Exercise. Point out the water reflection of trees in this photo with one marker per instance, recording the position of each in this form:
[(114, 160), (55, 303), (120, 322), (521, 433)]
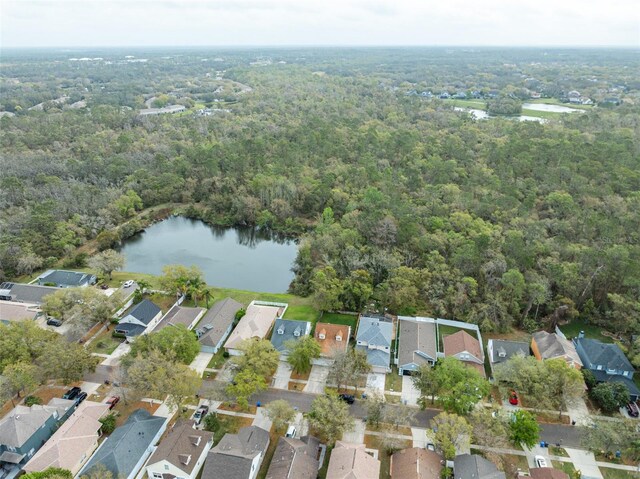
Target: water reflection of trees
[(251, 236)]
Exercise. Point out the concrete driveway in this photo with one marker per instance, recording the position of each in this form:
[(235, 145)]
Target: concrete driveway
[(282, 376), (356, 435), (419, 435), (536, 451), (585, 462), (375, 383), (262, 420), (200, 363), (317, 379), (114, 357), (579, 412), (410, 394)]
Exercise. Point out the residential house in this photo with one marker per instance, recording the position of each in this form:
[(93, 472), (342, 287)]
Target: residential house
[(217, 324), (140, 319), (66, 279), (466, 348), (547, 473), (351, 461), (416, 463), (24, 293), (416, 344), (25, 429), (125, 451), (472, 466), (287, 330), (237, 456), (188, 317), (500, 351), (374, 337), (333, 339), (295, 459), (74, 441), (256, 323), (12, 312), (607, 362), (181, 453), (553, 346)]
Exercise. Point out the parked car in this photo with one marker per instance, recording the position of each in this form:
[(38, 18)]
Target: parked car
[(632, 409), (513, 398), (348, 398), (81, 397), (540, 461), (128, 283), (112, 401), (291, 431), (72, 393), (199, 415), (431, 447), (54, 322)]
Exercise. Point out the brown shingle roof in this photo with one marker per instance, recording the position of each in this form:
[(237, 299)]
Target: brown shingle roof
[(182, 441), (416, 463), (547, 473), (179, 315), (350, 461), (330, 345), (461, 341), (553, 346), (295, 459)]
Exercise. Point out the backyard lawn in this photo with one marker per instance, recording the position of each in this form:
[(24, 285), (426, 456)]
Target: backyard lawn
[(373, 442), (104, 343), (572, 330)]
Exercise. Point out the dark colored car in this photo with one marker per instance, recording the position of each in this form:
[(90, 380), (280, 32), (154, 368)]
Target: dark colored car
[(72, 393), (112, 401), (348, 398), (632, 409), (81, 397), (200, 414), (54, 322)]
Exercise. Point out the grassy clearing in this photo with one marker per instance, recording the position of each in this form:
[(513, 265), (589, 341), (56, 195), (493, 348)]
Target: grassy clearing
[(444, 330), (268, 456), (572, 330), (557, 451), (566, 467), (609, 473), (393, 381), (337, 318), (104, 343), (217, 360), (475, 104), (229, 424)]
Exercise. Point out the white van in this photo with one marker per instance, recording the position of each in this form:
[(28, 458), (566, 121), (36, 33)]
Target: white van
[(291, 432)]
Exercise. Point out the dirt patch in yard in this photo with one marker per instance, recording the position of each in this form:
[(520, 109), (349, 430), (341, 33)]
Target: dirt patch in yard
[(300, 376), (294, 386), (123, 411), (235, 408)]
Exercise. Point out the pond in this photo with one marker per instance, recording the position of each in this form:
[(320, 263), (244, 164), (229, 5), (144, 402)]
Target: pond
[(548, 107), (477, 114), (239, 258)]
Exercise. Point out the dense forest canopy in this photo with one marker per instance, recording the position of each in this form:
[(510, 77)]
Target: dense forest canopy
[(396, 197)]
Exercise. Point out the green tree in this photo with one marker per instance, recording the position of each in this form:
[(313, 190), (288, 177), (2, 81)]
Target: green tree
[(358, 288), (302, 352), (610, 396), (99, 471), (180, 279), (524, 428), (245, 384), (612, 436), (375, 405), (66, 362), (327, 289), (330, 417), (461, 387), (108, 423), (22, 377), (258, 356), (281, 413), (160, 377), (427, 381), (564, 384), (452, 434), (397, 415), (107, 261), (176, 341), (50, 473), (490, 427), (128, 204)]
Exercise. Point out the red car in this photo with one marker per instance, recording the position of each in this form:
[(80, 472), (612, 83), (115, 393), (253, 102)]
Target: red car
[(112, 401), (513, 398)]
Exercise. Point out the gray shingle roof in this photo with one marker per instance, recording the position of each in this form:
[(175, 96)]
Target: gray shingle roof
[(22, 422), (129, 329), (233, 455), (295, 459), (503, 350), (286, 329), (144, 311), (602, 376), (375, 330), (553, 346), (127, 444), (219, 317), (182, 440), (66, 278), (472, 466), (417, 341), (609, 355), (25, 293)]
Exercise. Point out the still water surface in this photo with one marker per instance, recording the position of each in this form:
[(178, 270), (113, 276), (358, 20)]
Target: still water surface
[(241, 258)]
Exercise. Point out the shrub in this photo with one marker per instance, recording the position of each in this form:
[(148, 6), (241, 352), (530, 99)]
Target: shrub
[(108, 423), (211, 423), (31, 400)]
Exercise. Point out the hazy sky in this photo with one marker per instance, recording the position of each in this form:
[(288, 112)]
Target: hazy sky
[(319, 22)]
